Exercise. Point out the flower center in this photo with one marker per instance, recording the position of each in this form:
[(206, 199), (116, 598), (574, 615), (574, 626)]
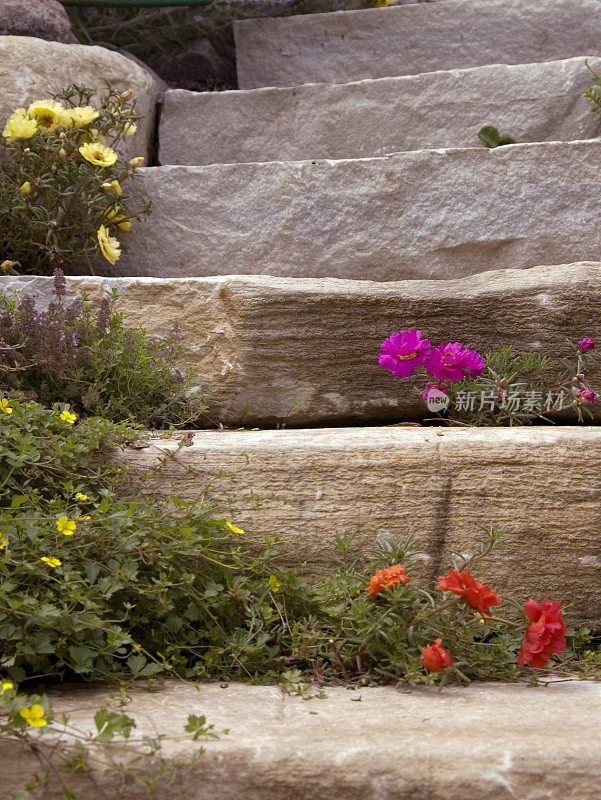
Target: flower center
[(47, 121), (448, 358), (406, 358)]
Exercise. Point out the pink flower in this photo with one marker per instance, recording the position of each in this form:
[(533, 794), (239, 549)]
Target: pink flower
[(545, 635), (433, 387), (403, 352), (586, 344), (452, 362), (585, 396)]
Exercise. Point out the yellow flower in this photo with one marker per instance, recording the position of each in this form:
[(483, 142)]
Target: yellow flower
[(234, 529), (5, 686), (98, 154), (109, 246), (130, 129), (34, 716), (83, 115), (5, 406), (6, 266), (49, 115), (125, 226), (118, 219), (19, 126), (3, 542), (66, 526), (67, 416), (26, 188), (52, 562), (126, 95), (137, 162), (113, 186), (81, 497), (274, 584), (85, 519)]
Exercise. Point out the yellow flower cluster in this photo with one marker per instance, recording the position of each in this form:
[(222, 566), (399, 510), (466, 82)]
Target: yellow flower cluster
[(5, 406), (45, 116)]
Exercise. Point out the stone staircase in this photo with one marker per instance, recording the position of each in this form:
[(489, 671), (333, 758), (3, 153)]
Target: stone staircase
[(343, 194)]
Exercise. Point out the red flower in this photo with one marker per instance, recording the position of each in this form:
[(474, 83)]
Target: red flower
[(435, 657), (387, 577), (475, 593), (545, 635)]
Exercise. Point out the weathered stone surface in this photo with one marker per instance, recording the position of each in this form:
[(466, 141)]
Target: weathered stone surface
[(264, 342), (308, 486), (531, 102), (496, 741), (45, 19), (428, 214), (406, 40), (32, 69)]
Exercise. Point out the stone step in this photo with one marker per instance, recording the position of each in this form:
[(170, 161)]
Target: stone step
[(264, 343), (428, 214), (409, 39), (489, 740), (33, 69), (308, 486), (531, 102)]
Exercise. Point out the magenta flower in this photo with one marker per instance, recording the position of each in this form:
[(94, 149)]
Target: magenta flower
[(452, 362), (585, 396), (586, 344), (433, 387), (403, 352)]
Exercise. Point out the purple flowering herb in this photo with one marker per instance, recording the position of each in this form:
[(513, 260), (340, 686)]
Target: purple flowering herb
[(60, 284), (585, 396), (403, 352)]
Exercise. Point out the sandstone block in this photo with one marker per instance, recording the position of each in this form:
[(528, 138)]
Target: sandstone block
[(305, 351), (427, 214), (531, 102), (409, 39), (424, 744), (32, 69), (307, 486)]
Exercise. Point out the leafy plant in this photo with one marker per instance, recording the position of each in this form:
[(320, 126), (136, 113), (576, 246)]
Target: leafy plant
[(112, 755), (69, 353), (503, 388), (61, 180), (490, 137)]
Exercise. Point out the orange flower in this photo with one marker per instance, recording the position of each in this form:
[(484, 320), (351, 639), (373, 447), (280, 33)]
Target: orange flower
[(384, 578), (475, 593), (435, 657)]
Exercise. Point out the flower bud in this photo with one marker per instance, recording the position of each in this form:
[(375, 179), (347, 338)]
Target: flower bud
[(113, 186), (125, 226), (63, 135), (26, 188), (27, 150), (6, 266), (130, 129), (126, 95), (62, 152), (137, 162)]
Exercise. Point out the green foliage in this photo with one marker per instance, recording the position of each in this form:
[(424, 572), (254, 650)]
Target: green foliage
[(144, 587), (70, 353), (53, 201), (490, 137)]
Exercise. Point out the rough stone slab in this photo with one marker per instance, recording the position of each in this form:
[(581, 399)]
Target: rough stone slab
[(308, 486), (496, 741), (262, 342), (45, 19), (407, 40), (33, 69), (531, 102), (428, 214)]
